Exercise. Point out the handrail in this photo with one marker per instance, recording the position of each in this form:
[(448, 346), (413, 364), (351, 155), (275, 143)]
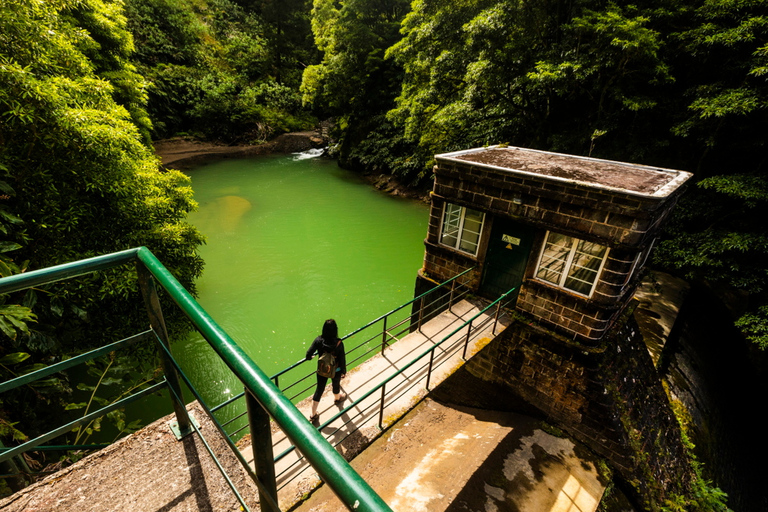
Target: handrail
[(407, 366), (73, 361), (380, 318), (48, 275), (12, 452), (384, 317), (353, 491)]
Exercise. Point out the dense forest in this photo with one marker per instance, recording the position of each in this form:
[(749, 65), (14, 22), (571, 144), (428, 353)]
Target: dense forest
[(87, 85)]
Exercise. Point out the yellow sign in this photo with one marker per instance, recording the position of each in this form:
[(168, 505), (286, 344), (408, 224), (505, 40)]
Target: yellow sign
[(510, 239)]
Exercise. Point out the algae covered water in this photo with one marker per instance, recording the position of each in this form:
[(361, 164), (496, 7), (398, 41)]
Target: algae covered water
[(292, 241)]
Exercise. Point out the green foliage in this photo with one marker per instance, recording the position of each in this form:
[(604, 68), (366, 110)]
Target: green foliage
[(354, 82), (14, 318), (719, 236), (221, 69), (77, 180), (165, 31), (123, 378), (703, 495), (547, 75)]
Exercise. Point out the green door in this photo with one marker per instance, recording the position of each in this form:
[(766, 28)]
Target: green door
[(507, 256)]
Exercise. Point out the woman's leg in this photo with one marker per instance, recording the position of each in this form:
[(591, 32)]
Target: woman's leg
[(321, 381), (336, 387)]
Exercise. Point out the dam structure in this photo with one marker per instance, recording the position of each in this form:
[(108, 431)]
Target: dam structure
[(531, 262)]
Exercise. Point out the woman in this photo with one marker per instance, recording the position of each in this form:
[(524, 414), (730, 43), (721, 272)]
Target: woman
[(328, 341)]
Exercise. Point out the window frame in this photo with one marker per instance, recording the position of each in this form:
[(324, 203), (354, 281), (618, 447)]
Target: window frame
[(460, 229), (574, 243)]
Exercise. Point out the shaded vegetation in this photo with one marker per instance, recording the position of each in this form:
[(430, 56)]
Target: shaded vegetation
[(78, 180), (658, 82), (222, 69)]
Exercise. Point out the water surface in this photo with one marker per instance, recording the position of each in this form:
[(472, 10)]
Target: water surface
[(293, 241)]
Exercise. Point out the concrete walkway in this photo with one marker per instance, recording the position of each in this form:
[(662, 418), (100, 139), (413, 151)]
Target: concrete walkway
[(148, 471), (358, 426), (442, 458)]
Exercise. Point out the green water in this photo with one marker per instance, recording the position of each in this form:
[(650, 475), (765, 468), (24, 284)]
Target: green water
[(291, 243)]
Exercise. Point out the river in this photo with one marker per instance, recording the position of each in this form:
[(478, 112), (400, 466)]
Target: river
[(291, 241)]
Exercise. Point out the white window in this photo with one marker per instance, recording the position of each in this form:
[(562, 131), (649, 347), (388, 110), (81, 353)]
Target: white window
[(461, 228), (571, 263)]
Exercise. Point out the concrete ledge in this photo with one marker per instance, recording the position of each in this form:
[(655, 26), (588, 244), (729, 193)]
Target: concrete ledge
[(148, 471)]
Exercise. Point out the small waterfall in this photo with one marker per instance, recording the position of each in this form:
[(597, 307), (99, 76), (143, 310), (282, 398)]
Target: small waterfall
[(310, 153)]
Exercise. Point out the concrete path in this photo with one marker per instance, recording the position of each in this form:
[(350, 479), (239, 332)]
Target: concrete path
[(148, 471), (660, 297), (447, 458), (358, 426)]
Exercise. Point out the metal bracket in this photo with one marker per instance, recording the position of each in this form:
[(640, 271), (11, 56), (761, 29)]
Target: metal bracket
[(178, 433)]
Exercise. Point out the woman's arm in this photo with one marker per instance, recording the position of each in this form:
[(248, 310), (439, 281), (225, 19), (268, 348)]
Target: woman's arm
[(313, 348)]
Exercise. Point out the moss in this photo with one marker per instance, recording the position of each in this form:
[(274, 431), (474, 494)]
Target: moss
[(552, 430), (703, 495)]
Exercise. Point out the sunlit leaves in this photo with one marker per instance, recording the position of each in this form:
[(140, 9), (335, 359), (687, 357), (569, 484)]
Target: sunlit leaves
[(734, 102), (749, 188), (14, 319), (83, 182), (14, 358), (755, 326)]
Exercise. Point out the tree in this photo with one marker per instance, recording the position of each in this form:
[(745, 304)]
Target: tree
[(288, 32), (551, 75), (221, 69), (79, 180), (354, 82), (719, 234)]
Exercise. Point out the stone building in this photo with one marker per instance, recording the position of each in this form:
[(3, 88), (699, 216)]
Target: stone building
[(570, 233)]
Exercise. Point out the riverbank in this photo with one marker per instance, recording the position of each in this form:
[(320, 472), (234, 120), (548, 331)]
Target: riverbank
[(187, 153)]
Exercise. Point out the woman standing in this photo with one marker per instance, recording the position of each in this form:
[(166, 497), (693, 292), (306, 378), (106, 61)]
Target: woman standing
[(328, 341)]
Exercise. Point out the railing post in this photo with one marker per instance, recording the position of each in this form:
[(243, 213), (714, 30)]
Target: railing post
[(496, 318), (429, 371), (421, 313), (156, 321), (466, 342), (381, 405), (384, 336), (15, 479), (263, 456), (450, 299)]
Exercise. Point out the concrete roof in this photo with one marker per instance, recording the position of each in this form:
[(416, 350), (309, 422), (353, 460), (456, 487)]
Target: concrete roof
[(633, 179)]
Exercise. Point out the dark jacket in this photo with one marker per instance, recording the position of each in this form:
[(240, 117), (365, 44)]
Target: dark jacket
[(321, 348)]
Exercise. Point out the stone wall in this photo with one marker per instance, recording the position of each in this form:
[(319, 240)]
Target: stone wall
[(623, 222), (608, 217), (611, 399)]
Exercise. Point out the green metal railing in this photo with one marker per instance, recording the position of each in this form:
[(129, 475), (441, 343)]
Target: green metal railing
[(375, 337), (363, 407), (263, 398)]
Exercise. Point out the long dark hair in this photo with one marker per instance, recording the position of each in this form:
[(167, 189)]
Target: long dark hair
[(330, 332)]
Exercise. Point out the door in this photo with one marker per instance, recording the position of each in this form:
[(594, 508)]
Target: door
[(507, 256)]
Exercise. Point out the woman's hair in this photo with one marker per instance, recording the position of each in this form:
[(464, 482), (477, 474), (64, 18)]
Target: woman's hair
[(330, 331)]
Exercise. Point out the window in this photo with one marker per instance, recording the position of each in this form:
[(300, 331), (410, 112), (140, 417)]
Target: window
[(571, 263), (461, 228)]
